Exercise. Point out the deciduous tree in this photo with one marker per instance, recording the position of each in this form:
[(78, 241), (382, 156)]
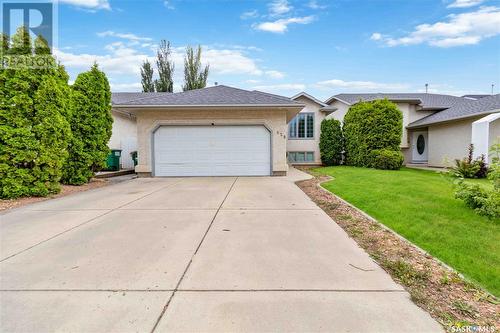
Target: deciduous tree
[(195, 77)]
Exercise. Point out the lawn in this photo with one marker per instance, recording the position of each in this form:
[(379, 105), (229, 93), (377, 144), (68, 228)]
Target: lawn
[(420, 206)]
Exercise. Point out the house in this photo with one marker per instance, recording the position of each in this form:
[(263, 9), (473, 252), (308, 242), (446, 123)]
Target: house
[(214, 131), (304, 130), (222, 131), (436, 128), (124, 130), (450, 131)]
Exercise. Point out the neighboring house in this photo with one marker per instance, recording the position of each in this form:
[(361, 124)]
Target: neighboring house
[(124, 131), (215, 131), (304, 130), (450, 132), (436, 128)]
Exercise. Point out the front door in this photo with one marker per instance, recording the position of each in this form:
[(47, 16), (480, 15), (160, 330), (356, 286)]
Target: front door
[(419, 147)]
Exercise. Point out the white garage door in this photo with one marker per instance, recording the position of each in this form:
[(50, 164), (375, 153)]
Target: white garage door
[(212, 151)]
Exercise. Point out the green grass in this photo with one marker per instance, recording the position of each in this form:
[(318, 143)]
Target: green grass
[(420, 206)]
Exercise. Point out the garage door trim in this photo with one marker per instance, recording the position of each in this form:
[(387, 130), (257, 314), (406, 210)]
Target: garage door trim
[(158, 125)]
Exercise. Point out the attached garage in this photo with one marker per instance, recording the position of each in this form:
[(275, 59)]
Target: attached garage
[(214, 131), (229, 150)]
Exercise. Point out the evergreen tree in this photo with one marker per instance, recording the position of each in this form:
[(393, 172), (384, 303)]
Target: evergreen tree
[(41, 46), (165, 82), (91, 125), (194, 76), (147, 77), (21, 42), (34, 131), (4, 44)]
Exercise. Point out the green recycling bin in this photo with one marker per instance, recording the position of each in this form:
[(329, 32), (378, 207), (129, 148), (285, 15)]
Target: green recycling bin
[(134, 157), (113, 160)]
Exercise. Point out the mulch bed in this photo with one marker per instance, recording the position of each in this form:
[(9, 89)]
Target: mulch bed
[(448, 297), (65, 190)]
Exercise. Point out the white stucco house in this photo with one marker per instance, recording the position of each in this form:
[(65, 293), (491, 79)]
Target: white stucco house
[(225, 131), (436, 128)]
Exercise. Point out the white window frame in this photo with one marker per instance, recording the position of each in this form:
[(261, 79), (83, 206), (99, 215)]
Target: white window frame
[(295, 122), (305, 157)]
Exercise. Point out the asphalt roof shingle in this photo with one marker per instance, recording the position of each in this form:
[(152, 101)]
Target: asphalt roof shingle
[(427, 101), (469, 108), (216, 95)]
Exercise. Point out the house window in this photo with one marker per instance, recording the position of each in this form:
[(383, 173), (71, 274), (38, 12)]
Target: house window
[(301, 156), (302, 126)]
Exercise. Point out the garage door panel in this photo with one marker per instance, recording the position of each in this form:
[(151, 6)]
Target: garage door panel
[(212, 151)]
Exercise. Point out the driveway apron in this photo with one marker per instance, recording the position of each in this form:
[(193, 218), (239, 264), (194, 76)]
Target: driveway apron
[(229, 254)]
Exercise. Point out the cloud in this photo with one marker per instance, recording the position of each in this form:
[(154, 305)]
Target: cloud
[(360, 85), (250, 14), (464, 3), (132, 86), (460, 29), (313, 4), (168, 4), (275, 74), (127, 36), (280, 26), (279, 7), (120, 58), (88, 4), (285, 88), (228, 61)]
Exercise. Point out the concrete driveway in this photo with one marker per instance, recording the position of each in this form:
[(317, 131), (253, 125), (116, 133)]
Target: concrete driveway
[(192, 254)]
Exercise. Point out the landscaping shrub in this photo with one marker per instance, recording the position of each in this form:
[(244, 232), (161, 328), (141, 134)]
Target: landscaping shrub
[(34, 131), (483, 201), (91, 126), (386, 159), (331, 142), (468, 167), (370, 126)]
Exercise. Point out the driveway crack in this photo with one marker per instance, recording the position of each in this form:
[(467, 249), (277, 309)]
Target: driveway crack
[(192, 257)]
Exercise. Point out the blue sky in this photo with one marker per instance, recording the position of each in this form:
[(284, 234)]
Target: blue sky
[(280, 46)]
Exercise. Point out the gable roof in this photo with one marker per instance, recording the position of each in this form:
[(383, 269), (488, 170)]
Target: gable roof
[(310, 97), (475, 96), (469, 108), (212, 96), (122, 97), (426, 101)]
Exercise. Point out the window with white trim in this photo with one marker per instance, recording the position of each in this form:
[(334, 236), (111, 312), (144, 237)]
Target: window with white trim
[(302, 126), (301, 156)]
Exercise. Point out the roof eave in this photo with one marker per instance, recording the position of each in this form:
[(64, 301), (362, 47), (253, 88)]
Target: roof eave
[(197, 106), (310, 97), (330, 100), (415, 126)]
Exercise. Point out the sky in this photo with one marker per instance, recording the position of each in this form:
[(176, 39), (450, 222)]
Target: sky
[(285, 46)]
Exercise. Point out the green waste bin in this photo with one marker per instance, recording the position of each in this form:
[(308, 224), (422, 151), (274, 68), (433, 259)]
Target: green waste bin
[(134, 157), (113, 160)]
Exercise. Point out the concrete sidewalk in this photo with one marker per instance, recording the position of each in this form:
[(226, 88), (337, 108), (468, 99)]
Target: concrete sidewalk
[(193, 254)]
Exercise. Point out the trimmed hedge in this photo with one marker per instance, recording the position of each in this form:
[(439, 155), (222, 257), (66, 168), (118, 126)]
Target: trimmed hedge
[(370, 126), (386, 159), (331, 142)]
